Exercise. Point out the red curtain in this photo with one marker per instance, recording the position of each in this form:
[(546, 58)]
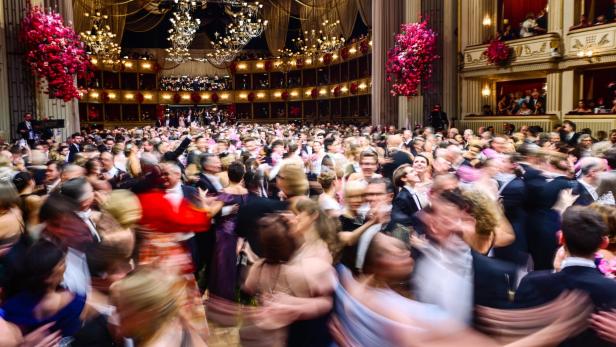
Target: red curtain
[(516, 10), (504, 88), (596, 85)]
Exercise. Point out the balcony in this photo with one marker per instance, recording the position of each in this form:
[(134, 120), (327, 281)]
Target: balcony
[(530, 53), (590, 43)]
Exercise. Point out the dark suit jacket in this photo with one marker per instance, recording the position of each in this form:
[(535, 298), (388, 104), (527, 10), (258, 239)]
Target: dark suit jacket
[(540, 287), (398, 158), (584, 198), (404, 208), (255, 208), (72, 150), (513, 198), (191, 194), (205, 184), (22, 129), (492, 281), (571, 142)]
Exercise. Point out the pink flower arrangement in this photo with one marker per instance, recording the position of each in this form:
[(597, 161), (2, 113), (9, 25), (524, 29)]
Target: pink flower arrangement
[(607, 267), (409, 62), (54, 52), (498, 53)]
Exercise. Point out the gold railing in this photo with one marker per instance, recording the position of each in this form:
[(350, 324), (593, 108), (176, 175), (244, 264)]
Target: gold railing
[(591, 41), (528, 50), (498, 122), (110, 96)]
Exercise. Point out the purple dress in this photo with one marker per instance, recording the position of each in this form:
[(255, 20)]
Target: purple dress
[(223, 277)]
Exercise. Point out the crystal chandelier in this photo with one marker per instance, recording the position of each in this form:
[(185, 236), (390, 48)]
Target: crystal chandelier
[(100, 40), (251, 23), (183, 30), (329, 41)]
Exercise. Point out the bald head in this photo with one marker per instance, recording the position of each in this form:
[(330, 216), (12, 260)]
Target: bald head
[(394, 141)]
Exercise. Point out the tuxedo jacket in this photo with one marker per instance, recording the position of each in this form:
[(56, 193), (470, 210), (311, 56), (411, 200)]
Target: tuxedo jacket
[(205, 184), (404, 208), (397, 159), (540, 287), (513, 197), (584, 197), (72, 150)]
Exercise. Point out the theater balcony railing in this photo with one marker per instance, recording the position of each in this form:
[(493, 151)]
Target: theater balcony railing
[(546, 121), (528, 54), (595, 45)]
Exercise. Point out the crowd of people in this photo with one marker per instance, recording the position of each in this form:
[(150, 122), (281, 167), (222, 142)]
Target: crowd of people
[(604, 16), (522, 103), (531, 26), (314, 235), (185, 117), (194, 83)]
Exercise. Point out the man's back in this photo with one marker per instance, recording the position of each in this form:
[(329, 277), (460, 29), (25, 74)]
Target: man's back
[(540, 287)]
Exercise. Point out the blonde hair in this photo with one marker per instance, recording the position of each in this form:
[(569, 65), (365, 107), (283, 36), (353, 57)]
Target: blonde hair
[(149, 293), (326, 179), (483, 210), (124, 206), (295, 179), (326, 226)]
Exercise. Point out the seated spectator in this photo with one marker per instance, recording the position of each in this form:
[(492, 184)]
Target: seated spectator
[(584, 23), (487, 110), (600, 20), (538, 108), (530, 27), (524, 110), (582, 108)]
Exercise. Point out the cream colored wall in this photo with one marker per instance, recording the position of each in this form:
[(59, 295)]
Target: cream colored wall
[(5, 118)]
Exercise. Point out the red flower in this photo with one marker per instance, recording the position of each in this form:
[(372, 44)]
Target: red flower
[(327, 58), (364, 46), (268, 65), (353, 88), (299, 62), (337, 91), (498, 53), (195, 97), (285, 95), (233, 68), (344, 53), (314, 93), (54, 53), (139, 97), (251, 96), (105, 97), (215, 97), (409, 62), (177, 98)]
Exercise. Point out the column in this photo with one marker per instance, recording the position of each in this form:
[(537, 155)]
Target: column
[(450, 60), (569, 89), (5, 117), (386, 19), (555, 16), (554, 92), (410, 110), (571, 14), (471, 96)]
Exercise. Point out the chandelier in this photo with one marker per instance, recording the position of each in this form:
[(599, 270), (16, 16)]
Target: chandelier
[(183, 30), (100, 40), (250, 21), (319, 41)]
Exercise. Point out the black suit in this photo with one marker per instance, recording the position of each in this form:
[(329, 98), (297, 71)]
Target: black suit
[(573, 141), (72, 150), (513, 196), (24, 132), (540, 287), (255, 208), (584, 198), (438, 120), (205, 184), (404, 208), (398, 158), (543, 222), (493, 280)]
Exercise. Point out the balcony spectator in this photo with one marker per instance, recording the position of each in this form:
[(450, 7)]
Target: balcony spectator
[(584, 23), (538, 107), (600, 20), (524, 110), (530, 27), (487, 110), (507, 34), (582, 108), (542, 21), (613, 109)]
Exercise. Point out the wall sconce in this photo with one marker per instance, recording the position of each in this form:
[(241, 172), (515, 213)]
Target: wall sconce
[(352, 50), (308, 61), (260, 65), (224, 96), (487, 21), (94, 95), (148, 96), (344, 89), (94, 61), (166, 96), (260, 95), (146, 65), (486, 91), (363, 86), (294, 93), (335, 56), (584, 53), (242, 66), (128, 64), (112, 95), (243, 96), (323, 92), (129, 96), (186, 96), (277, 94), (307, 93)]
